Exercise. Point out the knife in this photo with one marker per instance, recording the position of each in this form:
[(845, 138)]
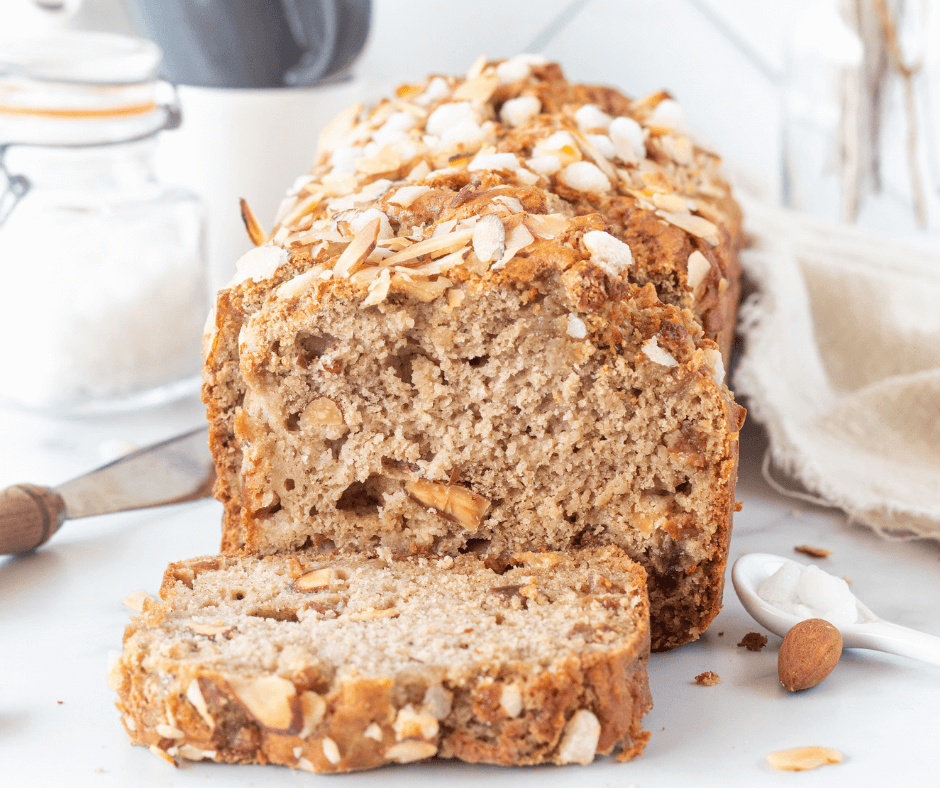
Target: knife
[(173, 471)]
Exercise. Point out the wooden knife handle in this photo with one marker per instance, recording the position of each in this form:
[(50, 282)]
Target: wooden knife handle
[(29, 515)]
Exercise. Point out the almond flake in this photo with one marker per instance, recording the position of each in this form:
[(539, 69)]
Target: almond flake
[(519, 238), (671, 202), (378, 289), (358, 249), (655, 353), (489, 238), (194, 695), (697, 269), (444, 244), (420, 289), (477, 67), (271, 700), (696, 225), (338, 128), (420, 170), (304, 206), (406, 195), (169, 731), (479, 89), (161, 754), (386, 160), (802, 758), (257, 235), (547, 225), (373, 732), (512, 203), (591, 151), (561, 145), (452, 501)]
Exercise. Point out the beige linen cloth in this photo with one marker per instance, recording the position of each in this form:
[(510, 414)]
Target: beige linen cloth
[(842, 366)]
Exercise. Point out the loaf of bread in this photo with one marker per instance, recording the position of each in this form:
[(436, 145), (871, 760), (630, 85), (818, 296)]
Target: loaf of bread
[(492, 319), (336, 662)]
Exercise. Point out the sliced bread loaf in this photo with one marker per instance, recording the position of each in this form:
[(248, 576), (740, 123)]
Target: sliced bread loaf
[(336, 662), (491, 319)]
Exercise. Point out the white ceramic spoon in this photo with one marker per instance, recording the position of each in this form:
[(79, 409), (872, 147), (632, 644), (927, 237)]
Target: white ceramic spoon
[(869, 631)]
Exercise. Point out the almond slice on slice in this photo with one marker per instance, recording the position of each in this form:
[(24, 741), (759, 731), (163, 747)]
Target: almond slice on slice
[(358, 250), (255, 232)]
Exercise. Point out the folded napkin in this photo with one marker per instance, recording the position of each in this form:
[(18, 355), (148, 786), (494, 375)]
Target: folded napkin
[(842, 365)]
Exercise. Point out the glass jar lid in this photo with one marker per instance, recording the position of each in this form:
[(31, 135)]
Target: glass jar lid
[(79, 88)]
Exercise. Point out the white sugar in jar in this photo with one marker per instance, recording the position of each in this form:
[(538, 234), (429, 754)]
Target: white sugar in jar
[(103, 266)]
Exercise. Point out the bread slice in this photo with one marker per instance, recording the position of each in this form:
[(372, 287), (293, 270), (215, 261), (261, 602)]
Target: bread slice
[(491, 320), (336, 662)]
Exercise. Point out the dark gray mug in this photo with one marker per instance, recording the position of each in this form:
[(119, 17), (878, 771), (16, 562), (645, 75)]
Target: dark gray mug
[(254, 43)]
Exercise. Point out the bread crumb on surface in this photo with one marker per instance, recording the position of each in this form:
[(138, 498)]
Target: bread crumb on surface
[(812, 552), (708, 679), (753, 641)]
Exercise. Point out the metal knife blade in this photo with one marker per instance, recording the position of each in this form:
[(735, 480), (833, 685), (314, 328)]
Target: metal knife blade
[(173, 471), (176, 470)]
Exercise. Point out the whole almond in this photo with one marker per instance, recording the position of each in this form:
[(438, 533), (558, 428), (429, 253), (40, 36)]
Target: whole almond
[(809, 652)]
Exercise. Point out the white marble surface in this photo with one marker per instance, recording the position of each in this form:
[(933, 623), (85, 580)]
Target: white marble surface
[(61, 611)]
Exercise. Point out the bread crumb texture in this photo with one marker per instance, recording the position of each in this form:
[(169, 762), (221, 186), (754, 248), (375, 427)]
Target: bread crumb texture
[(336, 662), (491, 319)]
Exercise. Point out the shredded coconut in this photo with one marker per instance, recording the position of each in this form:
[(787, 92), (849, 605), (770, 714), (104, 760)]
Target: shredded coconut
[(590, 117), (809, 592), (628, 138), (520, 110), (577, 329), (654, 352), (259, 263)]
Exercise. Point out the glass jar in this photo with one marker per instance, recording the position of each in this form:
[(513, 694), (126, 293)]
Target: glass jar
[(102, 265)]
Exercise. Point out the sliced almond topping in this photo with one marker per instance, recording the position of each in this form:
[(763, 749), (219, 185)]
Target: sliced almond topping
[(442, 244), (548, 225), (452, 501), (302, 207), (479, 89), (194, 695), (410, 750), (169, 731), (671, 202), (420, 289), (592, 152), (373, 732), (358, 249), (386, 160), (489, 238), (799, 759), (314, 580), (338, 128), (372, 615), (257, 235), (519, 238), (161, 754), (378, 290), (696, 225), (271, 700), (476, 68), (406, 195), (438, 266)]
